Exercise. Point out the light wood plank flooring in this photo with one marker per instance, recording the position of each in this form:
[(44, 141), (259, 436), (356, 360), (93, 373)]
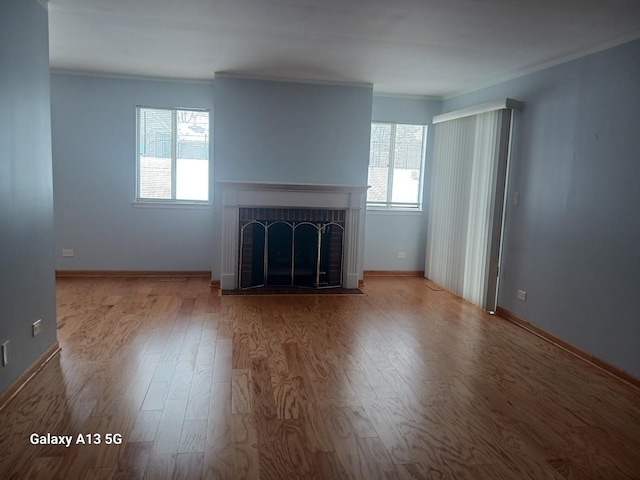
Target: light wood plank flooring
[(403, 383)]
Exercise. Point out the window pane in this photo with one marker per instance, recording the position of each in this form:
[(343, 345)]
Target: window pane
[(407, 163), (379, 162), (192, 179), (155, 153), (192, 162), (155, 177)]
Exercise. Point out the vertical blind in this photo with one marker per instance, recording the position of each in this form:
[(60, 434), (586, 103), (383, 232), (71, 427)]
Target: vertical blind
[(465, 211)]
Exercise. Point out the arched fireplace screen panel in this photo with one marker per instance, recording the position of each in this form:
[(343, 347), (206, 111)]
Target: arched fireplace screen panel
[(253, 241), (290, 253), (279, 259)]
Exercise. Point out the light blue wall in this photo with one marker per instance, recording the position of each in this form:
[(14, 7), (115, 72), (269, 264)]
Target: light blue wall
[(270, 131), (573, 243), (388, 233), (27, 288), (265, 131), (94, 155)]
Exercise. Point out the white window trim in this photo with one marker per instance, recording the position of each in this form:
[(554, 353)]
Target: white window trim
[(170, 202), (389, 207), (395, 211)]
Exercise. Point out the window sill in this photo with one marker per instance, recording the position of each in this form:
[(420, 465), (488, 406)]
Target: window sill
[(188, 205), (394, 211)]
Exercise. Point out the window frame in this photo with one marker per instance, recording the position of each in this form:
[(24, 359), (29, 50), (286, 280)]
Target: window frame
[(169, 202), (390, 206)]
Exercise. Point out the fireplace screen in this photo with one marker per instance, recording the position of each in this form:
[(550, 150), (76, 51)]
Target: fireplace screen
[(305, 252)]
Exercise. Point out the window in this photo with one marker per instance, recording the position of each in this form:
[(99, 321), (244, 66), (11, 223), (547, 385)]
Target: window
[(173, 155), (395, 165)]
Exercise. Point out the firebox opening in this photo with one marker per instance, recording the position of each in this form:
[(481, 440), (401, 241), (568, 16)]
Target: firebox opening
[(291, 247)]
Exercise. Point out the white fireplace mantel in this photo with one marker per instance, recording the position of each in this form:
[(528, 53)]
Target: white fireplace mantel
[(235, 195)]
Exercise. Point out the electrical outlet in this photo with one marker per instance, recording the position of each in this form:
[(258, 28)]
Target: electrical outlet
[(522, 295), (5, 353), (516, 198), (37, 327), (68, 253), (401, 255)]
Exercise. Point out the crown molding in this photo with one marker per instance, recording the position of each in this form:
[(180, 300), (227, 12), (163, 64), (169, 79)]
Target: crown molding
[(285, 79), (522, 72), (407, 96), (82, 73)]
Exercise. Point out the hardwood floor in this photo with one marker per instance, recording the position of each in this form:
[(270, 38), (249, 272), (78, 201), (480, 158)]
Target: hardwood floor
[(406, 382)]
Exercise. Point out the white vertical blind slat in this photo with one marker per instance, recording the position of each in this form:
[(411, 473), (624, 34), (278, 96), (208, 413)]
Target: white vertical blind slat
[(482, 195)]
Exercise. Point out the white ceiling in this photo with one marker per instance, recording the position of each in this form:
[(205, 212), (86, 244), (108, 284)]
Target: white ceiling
[(422, 47)]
